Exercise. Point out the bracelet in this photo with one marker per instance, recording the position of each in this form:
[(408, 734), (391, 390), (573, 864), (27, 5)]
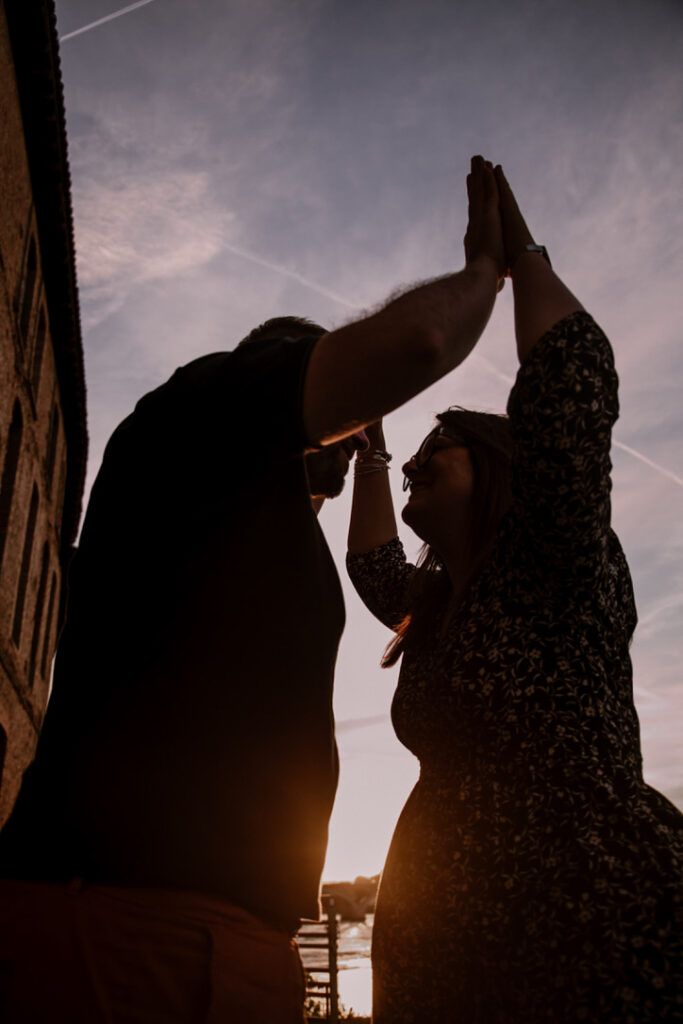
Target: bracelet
[(374, 455), (364, 470)]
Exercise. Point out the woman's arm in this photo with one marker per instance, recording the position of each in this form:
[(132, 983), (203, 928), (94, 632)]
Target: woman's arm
[(375, 561), (541, 299), (372, 512), (562, 409)]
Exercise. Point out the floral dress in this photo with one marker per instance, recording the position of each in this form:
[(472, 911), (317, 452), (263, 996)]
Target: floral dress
[(533, 876)]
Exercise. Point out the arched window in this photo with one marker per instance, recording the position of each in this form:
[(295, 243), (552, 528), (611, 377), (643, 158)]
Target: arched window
[(25, 567), (9, 473), (48, 625), (37, 360), (38, 617), (30, 278)]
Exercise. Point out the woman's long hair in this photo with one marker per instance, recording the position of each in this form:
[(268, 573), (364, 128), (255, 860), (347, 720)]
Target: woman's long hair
[(489, 442)]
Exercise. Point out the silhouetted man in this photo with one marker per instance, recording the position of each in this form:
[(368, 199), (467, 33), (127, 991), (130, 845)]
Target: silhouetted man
[(172, 830)]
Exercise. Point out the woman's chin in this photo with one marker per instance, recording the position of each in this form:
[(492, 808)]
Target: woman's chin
[(411, 517)]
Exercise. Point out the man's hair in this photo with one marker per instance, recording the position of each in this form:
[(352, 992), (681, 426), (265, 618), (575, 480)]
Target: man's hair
[(489, 441), (284, 327)]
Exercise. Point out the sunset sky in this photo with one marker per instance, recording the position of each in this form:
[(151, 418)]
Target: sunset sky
[(234, 160)]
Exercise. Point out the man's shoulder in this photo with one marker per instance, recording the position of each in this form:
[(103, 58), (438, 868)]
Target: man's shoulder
[(217, 390), (257, 357)]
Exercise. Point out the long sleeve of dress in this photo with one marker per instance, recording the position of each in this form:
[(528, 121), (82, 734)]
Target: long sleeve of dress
[(562, 409), (381, 578)]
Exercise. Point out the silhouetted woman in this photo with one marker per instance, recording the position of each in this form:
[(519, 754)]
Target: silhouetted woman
[(533, 876)]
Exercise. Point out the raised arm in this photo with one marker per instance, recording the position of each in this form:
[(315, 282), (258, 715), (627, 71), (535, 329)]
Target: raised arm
[(364, 370), (372, 511), (562, 410), (541, 299)]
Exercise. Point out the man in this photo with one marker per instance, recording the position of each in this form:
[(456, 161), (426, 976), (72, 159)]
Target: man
[(172, 830)]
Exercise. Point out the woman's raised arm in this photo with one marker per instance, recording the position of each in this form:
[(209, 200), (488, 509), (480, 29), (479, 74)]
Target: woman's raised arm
[(541, 299), (372, 512)]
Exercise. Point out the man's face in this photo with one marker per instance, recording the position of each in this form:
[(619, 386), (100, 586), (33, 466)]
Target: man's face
[(328, 467)]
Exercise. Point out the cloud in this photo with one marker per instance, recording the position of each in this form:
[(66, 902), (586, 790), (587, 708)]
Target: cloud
[(141, 230)]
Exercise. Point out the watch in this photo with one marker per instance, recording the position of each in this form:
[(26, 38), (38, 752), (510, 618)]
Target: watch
[(539, 249)]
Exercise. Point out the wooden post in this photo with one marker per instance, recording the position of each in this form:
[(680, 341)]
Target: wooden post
[(332, 945)]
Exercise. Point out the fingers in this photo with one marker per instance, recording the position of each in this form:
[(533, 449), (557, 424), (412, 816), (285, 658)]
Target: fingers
[(504, 190), (516, 234), (483, 179), (484, 233), (500, 178)]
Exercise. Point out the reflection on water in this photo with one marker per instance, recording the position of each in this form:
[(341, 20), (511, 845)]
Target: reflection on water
[(355, 975)]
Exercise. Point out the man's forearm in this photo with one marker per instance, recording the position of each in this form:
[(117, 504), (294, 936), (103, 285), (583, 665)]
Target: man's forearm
[(364, 370)]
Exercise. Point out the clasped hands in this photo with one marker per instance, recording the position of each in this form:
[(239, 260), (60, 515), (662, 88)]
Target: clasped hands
[(496, 229)]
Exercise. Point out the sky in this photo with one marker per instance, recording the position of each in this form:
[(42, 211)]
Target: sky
[(233, 160)]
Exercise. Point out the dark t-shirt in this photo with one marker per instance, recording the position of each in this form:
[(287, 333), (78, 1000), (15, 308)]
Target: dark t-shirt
[(189, 740)]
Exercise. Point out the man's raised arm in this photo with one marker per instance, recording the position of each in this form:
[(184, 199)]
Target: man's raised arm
[(360, 372)]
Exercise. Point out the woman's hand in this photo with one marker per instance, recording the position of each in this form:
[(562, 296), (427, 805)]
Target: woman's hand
[(516, 234), (484, 235), (375, 435), (541, 299)]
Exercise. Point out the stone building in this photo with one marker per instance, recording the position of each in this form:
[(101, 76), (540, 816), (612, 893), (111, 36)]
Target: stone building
[(43, 440)]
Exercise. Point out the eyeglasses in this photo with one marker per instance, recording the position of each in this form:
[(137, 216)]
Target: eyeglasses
[(429, 446)]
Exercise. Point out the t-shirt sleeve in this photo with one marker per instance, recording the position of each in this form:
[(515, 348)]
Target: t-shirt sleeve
[(381, 578), (562, 409)]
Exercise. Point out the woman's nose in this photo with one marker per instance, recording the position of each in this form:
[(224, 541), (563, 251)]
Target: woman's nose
[(408, 469)]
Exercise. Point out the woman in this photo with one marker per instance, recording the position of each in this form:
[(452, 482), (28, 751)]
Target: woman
[(532, 876)]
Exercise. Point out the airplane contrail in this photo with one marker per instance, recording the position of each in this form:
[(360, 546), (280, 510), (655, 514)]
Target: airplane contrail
[(351, 724), (669, 474), (286, 272), (648, 462), (102, 21)]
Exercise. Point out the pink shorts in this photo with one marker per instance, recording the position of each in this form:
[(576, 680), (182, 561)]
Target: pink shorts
[(102, 954)]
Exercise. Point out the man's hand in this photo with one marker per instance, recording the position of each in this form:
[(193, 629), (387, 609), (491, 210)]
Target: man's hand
[(364, 370), (484, 236)]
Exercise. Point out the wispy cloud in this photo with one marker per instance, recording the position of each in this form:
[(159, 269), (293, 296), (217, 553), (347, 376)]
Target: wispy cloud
[(103, 21), (141, 230)]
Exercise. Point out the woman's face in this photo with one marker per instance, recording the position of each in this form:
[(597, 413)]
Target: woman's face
[(440, 479)]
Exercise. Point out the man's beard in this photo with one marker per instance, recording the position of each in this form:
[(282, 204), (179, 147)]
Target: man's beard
[(327, 471)]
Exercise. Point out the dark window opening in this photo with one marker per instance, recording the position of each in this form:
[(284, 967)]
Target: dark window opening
[(30, 278), (48, 625), (51, 447), (38, 617), (3, 751), (25, 567), (9, 473), (61, 491), (37, 360)]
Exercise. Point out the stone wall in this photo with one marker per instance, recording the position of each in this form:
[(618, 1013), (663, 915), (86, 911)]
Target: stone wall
[(33, 448)]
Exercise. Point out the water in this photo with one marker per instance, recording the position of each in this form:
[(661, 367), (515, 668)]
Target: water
[(355, 974)]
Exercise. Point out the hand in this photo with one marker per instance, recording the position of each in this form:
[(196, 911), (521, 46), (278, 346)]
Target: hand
[(516, 234), (484, 236), (375, 434)]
